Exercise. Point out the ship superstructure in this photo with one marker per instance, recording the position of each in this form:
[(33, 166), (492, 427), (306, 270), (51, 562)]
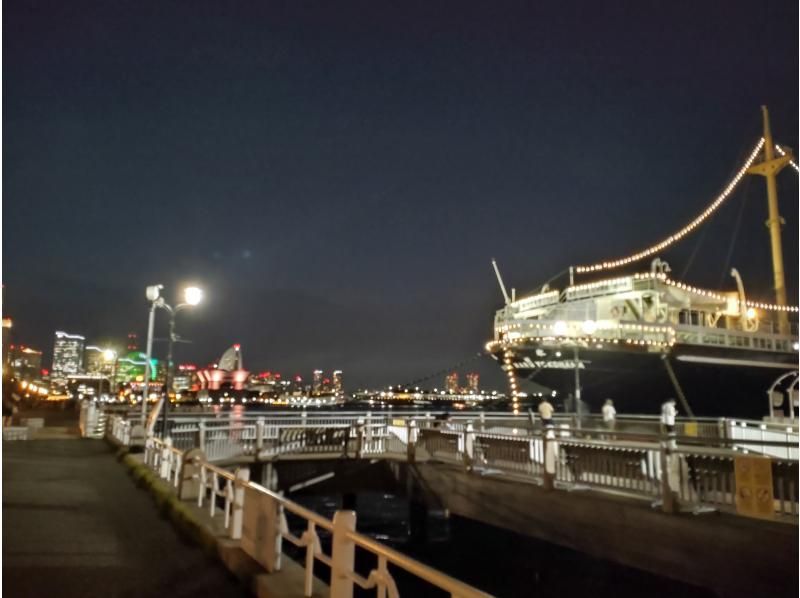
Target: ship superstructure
[(644, 337)]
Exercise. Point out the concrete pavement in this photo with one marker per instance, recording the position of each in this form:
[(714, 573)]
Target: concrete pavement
[(75, 525)]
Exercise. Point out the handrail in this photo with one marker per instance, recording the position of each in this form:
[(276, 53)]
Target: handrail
[(379, 577)]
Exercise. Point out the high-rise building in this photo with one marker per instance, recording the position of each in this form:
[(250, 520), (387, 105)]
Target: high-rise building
[(67, 354), (7, 324), (337, 381), (316, 384), (451, 383), (473, 383), (25, 362), (133, 342)]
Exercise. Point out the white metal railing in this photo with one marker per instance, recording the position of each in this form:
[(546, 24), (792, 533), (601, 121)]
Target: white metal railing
[(256, 517), (583, 453)]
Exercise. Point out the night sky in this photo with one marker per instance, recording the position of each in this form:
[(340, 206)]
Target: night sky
[(338, 175)]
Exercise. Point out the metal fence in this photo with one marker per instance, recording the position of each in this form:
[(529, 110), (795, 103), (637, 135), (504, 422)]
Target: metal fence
[(700, 472)]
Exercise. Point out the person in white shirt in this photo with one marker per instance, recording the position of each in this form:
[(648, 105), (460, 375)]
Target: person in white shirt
[(668, 413), (546, 413), (609, 414)]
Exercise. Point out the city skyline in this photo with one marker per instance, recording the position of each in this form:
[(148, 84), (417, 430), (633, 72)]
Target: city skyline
[(338, 179)]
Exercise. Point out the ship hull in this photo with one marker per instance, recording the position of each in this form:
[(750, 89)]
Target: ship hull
[(715, 381)]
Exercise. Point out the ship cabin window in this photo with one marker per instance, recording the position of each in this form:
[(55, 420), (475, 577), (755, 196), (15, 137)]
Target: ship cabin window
[(696, 318), (683, 317)]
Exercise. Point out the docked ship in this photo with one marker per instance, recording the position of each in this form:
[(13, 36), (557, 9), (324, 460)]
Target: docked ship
[(641, 338)]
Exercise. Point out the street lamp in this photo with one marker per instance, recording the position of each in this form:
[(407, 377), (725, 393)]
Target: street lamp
[(192, 296)]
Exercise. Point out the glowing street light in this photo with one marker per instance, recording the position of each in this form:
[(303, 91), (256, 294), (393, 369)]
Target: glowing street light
[(193, 295)]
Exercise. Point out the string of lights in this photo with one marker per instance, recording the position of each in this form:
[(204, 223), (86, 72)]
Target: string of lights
[(783, 153), (608, 265)]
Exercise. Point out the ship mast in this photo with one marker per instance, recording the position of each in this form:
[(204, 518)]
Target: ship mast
[(769, 168)]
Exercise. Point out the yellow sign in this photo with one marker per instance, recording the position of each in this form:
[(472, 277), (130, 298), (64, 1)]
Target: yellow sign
[(690, 429), (754, 496)]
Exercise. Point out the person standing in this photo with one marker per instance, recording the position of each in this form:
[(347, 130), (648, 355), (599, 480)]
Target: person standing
[(668, 413), (609, 415), (546, 413)]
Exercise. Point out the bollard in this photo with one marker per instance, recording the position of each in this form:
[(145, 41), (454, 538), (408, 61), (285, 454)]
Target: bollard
[(242, 477), (260, 433), (343, 554)]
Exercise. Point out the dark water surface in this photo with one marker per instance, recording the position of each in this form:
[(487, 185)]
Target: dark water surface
[(496, 561)]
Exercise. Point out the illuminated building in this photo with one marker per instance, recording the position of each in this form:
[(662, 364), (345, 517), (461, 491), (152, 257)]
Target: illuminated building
[(316, 384), (451, 382), (96, 361), (185, 378), (24, 362), (337, 381), (473, 380), (130, 368), (67, 354), (7, 324), (227, 374)]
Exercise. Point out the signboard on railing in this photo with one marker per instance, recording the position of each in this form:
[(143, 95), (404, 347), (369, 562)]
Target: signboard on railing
[(754, 496)]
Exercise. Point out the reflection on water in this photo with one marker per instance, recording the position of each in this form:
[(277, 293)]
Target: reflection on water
[(497, 561)]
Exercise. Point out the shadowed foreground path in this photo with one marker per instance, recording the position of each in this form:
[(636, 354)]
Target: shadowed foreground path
[(75, 525)]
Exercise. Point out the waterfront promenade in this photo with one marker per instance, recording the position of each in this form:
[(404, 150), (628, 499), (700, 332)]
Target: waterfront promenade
[(75, 525)]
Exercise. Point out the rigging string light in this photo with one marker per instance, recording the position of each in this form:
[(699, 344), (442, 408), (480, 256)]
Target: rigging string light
[(783, 153), (685, 230)]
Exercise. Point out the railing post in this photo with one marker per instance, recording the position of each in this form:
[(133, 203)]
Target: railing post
[(260, 433), (549, 446), (303, 418), (469, 445), (411, 435), (360, 438), (669, 501), (369, 426), (343, 554), (166, 459), (483, 421), (242, 477), (201, 435)]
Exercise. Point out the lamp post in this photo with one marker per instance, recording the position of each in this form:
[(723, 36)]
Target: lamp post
[(154, 296), (192, 296)]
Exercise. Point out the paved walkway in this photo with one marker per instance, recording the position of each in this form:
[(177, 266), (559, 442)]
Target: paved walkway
[(75, 525)]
